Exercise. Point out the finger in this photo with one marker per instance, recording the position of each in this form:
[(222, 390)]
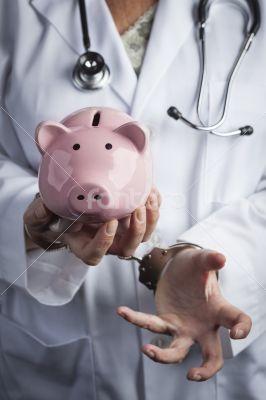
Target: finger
[(91, 249), (143, 320), (152, 214), (212, 358), (236, 320), (173, 354), (124, 224), (61, 225), (208, 260), (133, 237), (158, 194), (37, 215)]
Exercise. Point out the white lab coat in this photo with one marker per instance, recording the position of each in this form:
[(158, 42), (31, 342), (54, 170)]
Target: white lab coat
[(59, 333)]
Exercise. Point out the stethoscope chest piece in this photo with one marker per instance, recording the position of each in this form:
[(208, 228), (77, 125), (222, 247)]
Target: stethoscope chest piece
[(91, 72)]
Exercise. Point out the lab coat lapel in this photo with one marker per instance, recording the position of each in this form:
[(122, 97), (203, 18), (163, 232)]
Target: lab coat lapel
[(64, 16), (172, 24)]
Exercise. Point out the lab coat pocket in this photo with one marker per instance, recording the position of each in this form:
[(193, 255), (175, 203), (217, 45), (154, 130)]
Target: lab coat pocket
[(235, 164), (34, 370)]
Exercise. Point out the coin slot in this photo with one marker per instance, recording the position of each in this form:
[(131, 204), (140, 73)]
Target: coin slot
[(96, 119)]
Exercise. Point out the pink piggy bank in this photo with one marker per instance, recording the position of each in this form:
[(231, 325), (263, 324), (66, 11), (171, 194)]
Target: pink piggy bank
[(96, 165)]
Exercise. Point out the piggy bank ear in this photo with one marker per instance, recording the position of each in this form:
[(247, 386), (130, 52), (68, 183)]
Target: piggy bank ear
[(47, 132), (137, 134)]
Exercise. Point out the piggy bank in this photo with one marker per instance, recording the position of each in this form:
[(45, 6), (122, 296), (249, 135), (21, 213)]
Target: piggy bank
[(96, 165)]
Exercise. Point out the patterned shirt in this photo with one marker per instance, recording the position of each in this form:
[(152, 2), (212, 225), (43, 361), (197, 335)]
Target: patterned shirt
[(136, 37)]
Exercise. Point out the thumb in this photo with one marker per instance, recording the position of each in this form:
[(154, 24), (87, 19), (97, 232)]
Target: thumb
[(208, 260), (61, 224)]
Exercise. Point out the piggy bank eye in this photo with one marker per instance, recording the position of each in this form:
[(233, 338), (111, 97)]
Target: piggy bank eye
[(76, 146), (108, 146)]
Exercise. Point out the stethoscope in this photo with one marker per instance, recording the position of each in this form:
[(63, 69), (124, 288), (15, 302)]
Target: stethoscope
[(91, 72)]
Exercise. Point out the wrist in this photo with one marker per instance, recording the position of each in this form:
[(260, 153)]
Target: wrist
[(35, 243), (155, 263), (175, 257), (30, 245)]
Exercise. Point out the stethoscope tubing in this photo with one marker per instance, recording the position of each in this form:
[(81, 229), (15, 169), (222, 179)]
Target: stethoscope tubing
[(177, 114), (228, 89), (92, 73)]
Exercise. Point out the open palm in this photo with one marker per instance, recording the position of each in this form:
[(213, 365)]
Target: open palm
[(191, 308)]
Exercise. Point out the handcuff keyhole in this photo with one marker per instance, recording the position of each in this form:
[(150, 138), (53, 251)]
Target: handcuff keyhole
[(108, 146), (76, 146)]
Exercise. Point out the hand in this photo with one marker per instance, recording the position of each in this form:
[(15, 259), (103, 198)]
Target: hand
[(90, 243), (191, 308)]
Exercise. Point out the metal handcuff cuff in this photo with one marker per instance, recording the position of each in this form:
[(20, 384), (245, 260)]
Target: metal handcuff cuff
[(153, 264)]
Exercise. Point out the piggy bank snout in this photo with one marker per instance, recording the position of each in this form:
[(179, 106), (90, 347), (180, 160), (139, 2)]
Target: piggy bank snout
[(88, 199)]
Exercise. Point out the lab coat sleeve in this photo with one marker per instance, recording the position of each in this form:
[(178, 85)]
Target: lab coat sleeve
[(238, 230), (51, 277)]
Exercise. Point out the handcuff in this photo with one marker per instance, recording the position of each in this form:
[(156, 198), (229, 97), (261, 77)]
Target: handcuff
[(152, 265)]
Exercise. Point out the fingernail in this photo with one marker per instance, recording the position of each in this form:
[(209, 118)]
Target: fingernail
[(141, 214), (60, 225), (150, 353), (197, 377), (55, 226), (40, 211), (110, 228), (122, 314), (153, 201), (239, 333)]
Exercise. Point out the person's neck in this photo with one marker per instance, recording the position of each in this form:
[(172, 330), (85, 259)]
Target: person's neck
[(126, 12)]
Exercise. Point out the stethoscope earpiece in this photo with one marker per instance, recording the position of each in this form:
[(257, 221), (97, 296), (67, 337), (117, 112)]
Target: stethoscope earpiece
[(91, 72)]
